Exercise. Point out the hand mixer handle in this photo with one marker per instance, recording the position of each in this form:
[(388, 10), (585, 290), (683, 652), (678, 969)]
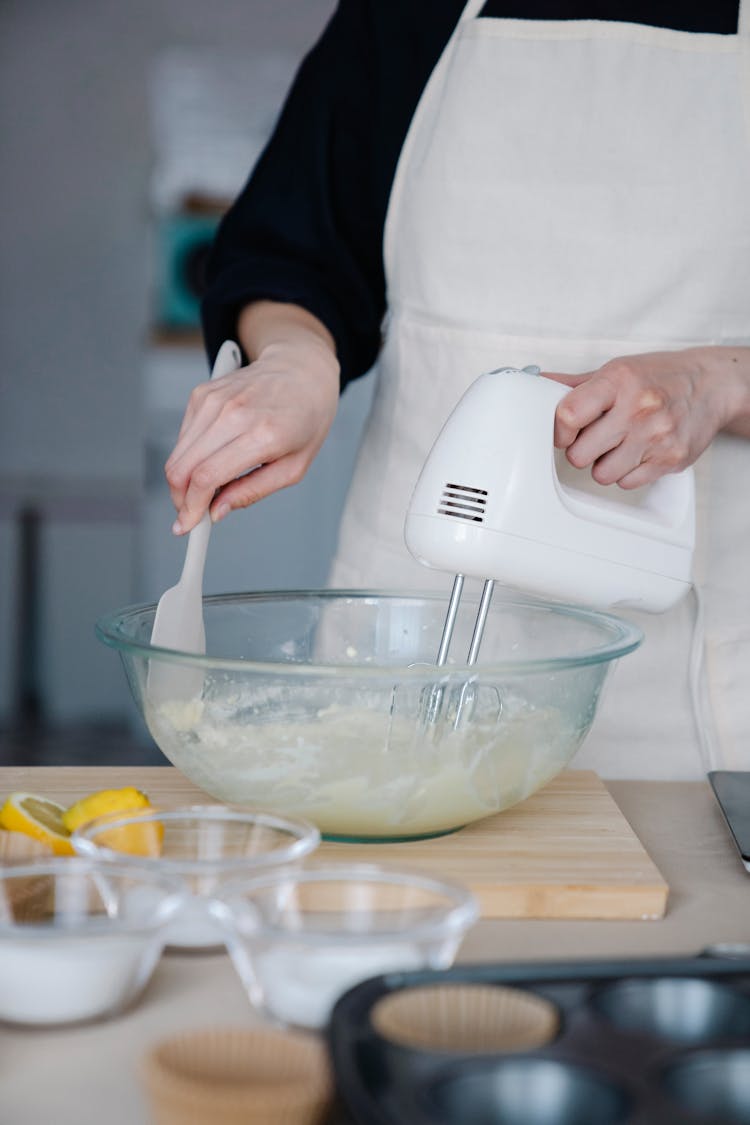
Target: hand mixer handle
[(663, 509), (495, 500)]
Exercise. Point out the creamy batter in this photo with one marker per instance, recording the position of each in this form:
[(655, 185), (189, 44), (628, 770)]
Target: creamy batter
[(361, 771)]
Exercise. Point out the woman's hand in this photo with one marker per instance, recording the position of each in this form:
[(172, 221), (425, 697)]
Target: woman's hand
[(639, 417), (270, 417)]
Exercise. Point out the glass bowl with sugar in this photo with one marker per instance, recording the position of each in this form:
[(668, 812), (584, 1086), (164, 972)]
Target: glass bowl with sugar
[(300, 939), (79, 939)]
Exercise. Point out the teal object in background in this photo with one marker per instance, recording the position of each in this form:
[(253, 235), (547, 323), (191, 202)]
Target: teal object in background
[(184, 242)]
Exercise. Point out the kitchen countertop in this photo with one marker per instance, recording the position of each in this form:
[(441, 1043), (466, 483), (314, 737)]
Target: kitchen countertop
[(87, 1075)]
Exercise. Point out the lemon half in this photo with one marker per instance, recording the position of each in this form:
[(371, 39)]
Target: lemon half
[(39, 818), (135, 839), (102, 803)]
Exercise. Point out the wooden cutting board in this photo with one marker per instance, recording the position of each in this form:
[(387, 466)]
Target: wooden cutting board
[(566, 852)]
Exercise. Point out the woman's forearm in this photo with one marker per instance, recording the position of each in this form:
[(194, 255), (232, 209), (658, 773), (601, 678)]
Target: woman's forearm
[(270, 324), (732, 365)]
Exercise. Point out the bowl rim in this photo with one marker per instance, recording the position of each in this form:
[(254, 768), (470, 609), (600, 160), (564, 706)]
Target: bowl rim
[(460, 912), (306, 838), (173, 887), (625, 637)]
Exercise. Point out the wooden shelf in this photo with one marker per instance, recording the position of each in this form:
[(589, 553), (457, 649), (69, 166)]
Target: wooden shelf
[(162, 336)]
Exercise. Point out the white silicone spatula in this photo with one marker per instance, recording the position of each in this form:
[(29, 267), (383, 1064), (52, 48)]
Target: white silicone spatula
[(178, 623)]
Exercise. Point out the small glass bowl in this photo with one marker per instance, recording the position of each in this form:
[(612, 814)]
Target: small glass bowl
[(79, 939), (203, 845), (298, 940)]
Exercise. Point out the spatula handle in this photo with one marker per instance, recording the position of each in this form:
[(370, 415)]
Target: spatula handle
[(195, 552), (228, 359)]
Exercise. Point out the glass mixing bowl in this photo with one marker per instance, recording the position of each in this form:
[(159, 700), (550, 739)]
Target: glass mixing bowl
[(328, 704)]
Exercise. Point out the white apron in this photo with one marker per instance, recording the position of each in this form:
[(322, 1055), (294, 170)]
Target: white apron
[(568, 192)]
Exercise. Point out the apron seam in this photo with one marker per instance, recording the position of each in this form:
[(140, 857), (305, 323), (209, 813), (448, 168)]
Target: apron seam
[(405, 314)]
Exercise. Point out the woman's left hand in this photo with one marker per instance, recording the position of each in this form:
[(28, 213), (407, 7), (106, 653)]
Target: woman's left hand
[(641, 416)]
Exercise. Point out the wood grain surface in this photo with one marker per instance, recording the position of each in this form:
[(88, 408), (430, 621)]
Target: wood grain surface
[(566, 852)]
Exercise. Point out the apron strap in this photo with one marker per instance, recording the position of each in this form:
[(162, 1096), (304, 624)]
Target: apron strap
[(472, 10)]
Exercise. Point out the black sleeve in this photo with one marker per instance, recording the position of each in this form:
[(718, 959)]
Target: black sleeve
[(308, 226)]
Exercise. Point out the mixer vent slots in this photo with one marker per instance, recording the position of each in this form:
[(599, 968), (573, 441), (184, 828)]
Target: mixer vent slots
[(463, 502)]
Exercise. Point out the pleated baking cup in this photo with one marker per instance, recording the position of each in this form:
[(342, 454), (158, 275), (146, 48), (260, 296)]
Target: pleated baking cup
[(463, 1018), (237, 1076)]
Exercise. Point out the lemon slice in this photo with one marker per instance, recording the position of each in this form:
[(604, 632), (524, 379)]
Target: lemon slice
[(39, 818), (102, 803)]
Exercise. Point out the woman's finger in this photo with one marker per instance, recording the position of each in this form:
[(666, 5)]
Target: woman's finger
[(221, 464), (269, 441), (582, 406), (596, 440), (617, 463), (259, 483), (202, 411), (645, 473), (564, 377), (200, 451)]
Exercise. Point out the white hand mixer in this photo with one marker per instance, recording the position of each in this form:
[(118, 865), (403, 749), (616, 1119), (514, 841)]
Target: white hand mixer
[(496, 501)]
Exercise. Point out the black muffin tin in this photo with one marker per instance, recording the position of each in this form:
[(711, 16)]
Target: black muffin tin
[(647, 1042)]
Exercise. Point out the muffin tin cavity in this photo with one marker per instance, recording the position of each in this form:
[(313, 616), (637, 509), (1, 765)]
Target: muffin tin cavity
[(651, 1042), (685, 1010), (529, 1091), (714, 1084)]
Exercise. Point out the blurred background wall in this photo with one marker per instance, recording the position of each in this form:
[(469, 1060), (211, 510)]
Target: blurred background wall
[(100, 131)]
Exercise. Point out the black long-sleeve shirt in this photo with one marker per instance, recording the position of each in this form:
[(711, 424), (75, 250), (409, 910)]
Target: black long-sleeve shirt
[(308, 226)]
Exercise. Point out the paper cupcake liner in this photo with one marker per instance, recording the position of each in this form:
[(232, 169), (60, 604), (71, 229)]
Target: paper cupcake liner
[(466, 1018), (236, 1076)]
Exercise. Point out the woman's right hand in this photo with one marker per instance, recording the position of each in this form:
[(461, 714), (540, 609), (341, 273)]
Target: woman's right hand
[(250, 433)]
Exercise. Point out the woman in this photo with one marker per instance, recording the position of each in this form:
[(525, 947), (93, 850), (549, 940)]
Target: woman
[(506, 186)]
